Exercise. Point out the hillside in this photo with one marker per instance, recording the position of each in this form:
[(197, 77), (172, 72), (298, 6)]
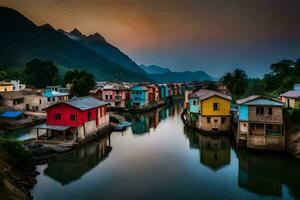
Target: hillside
[(21, 41), (97, 43), (181, 77), (154, 69), (165, 75)]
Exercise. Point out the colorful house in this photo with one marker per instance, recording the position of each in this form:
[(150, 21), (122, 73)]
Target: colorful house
[(188, 90), (6, 86), (17, 86), (209, 110), (291, 98), (153, 92), (171, 89), (74, 120), (55, 94), (96, 93), (116, 95), (139, 96), (260, 123), (163, 91)]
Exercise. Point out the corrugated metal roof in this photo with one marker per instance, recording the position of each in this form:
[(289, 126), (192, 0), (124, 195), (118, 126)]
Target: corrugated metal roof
[(256, 100), (52, 127), (204, 94), (264, 102), (85, 103), (11, 114), (252, 97), (292, 94)]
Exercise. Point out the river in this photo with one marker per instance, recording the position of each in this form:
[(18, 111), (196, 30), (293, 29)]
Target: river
[(159, 158)]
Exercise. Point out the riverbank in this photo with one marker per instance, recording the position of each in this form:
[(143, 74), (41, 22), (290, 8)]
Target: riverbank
[(17, 172)]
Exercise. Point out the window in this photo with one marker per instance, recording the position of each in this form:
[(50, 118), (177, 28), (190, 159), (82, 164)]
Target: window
[(89, 116), (18, 101), (216, 121), (194, 102), (53, 99), (223, 120), (73, 117), (106, 96), (208, 119), (58, 116), (270, 111), (259, 110), (48, 99), (216, 106), (110, 96), (117, 92), (40, 101)]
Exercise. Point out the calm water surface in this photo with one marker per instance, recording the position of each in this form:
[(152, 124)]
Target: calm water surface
[(158, 158)]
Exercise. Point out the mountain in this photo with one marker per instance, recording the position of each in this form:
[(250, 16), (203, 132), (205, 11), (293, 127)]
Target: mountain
[(21, 41), (186, 76), (97, 43), (164, 75), (154, 69)]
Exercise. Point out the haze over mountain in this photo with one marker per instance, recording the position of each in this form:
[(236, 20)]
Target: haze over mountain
[(21, 41), (165, 75), (155, 69), (98, 43)]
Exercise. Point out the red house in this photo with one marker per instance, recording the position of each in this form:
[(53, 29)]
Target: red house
[(77, 118)]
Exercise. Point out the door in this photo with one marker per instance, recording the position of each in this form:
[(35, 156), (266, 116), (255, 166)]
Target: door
[(216, 123)]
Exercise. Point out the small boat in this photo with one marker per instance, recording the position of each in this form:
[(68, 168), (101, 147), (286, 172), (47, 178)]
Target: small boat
[(122, 126)]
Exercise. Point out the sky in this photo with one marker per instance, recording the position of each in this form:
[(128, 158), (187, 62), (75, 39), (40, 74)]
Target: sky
[(215, 36)]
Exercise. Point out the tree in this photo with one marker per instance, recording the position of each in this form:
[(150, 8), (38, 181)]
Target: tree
[(40, 73), (3, 75), (236, 82), (82, 82)]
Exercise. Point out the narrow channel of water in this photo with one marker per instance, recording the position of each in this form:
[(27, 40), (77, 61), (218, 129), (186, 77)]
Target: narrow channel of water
[(158, 158)]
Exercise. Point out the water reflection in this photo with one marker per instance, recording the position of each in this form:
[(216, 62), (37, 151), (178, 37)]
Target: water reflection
[(173, 162), (214, 151), (74, 164), (267, 174), (143, 122)]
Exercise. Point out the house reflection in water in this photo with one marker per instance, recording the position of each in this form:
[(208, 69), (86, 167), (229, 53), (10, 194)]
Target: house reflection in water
[(265, 174), (260, 175), (74, 164), (214, 152), (140, 124)]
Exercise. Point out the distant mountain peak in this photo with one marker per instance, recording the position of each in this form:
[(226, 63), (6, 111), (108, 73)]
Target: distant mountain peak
[(96, 37), (76, 32), (47, 26)]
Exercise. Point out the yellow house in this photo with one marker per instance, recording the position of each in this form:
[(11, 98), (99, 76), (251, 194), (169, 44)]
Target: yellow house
[(6, 86), (214, 110)]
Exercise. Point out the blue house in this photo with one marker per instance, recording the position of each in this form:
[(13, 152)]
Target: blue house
[(139, 96), (55, 94), (260, 123), (163, 90)]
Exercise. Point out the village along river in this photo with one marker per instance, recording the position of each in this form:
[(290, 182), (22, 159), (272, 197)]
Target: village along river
[(158, 158)]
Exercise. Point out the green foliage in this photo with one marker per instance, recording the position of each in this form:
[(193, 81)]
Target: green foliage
[(15, 154), (236, 82), (40, 73), (282, 77), (11, 73), (82, 82)]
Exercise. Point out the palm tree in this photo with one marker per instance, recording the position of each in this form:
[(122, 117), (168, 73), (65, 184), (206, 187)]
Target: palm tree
[(236, 82), (239, 82)]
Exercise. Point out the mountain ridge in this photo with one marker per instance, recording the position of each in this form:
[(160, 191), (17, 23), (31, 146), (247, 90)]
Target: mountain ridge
[(21, 41)]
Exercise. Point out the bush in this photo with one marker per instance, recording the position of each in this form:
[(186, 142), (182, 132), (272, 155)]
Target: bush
[(16, 154), (295, 116)]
